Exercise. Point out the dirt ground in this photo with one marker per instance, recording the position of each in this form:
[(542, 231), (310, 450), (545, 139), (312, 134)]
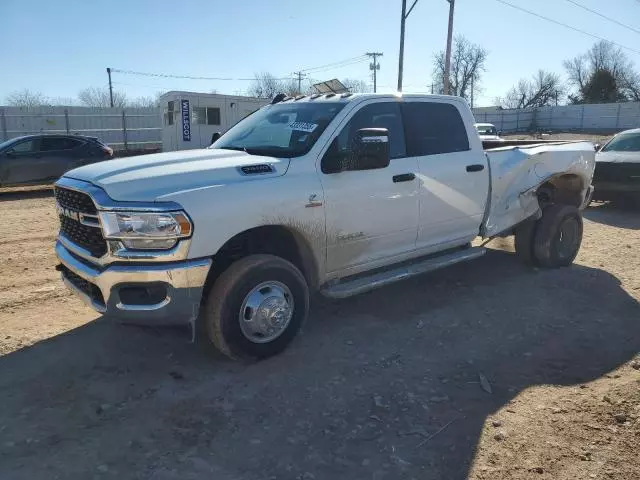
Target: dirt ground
[(487, 370)]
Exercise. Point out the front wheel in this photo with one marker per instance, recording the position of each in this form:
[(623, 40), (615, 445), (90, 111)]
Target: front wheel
[(256, 307)]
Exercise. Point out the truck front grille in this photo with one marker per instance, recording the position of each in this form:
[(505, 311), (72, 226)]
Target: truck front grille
[(88, 237), (88, 288), (617, 172), (74, 200)]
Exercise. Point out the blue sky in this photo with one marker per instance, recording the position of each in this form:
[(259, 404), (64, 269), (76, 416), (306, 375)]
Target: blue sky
[(58, 47)]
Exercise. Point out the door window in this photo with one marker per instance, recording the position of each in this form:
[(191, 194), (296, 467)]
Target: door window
[(27, 146), (377, 115), (433, 128), (51, 144)]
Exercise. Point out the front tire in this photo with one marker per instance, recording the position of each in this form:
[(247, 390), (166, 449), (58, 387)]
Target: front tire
[(558, 236), (256, 307)]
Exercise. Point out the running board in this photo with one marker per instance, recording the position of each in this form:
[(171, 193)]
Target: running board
[(364, 284)]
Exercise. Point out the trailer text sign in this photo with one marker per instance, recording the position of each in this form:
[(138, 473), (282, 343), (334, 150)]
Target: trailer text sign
[(186, 121)]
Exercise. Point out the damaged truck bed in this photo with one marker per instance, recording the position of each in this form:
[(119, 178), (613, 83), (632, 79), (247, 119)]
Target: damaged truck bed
[(525, 178)]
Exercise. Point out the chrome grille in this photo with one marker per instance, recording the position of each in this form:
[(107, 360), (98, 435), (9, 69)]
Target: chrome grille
[(86, 236)]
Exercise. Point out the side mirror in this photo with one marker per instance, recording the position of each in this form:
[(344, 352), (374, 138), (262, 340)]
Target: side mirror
[(499, 132), (215, 137), (10, 153), (596, 146)]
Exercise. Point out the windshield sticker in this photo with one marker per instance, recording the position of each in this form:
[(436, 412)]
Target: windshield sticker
[(303, 126)]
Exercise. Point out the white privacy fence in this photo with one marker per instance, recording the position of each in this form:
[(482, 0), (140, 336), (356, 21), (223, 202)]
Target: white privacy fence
[(605, 117), (122, 129)]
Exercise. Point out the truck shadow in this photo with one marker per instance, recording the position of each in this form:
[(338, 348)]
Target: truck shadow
[(357, 396)]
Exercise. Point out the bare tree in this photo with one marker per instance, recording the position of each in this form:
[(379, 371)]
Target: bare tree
[(63, 101), (467, 64), (149, 101), (544, 88), (356, 86), (604, 66), (99, 97), (26, 98), (265, 85)]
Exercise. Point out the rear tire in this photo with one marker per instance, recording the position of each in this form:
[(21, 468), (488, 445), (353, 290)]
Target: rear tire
[(256, 307), (524, 239), (558, 236)]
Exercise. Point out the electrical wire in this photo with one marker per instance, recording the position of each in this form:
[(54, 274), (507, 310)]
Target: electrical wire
[(568, 26), (328, 66), (187, 77), (604, 16), (318, 69)]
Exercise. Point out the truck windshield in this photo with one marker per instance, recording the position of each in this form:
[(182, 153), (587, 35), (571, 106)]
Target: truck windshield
[(627, 142), (280, 130)]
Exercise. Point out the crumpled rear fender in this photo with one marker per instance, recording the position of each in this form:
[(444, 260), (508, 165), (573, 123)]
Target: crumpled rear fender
[(518, 173)]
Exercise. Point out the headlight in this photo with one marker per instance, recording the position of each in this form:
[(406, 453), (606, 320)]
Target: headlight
[(142, 230)]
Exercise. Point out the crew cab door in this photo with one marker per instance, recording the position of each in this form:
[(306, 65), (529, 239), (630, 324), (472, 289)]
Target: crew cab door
[(371, 215), (453, 172)]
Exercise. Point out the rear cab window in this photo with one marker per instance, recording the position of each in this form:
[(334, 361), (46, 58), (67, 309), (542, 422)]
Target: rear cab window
[(433, 128)]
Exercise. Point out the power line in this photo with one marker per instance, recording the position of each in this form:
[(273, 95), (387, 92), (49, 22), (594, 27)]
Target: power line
[(349, 61), (568, 26), (318, 69), (187, 77), (604, 16)]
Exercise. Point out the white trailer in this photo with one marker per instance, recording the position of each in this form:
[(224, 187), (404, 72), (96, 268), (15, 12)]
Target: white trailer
[(190, 118)]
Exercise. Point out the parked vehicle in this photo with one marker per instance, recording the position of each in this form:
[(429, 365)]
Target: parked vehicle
[(336, 193), (487, 131), (617, 174), (42, 159)]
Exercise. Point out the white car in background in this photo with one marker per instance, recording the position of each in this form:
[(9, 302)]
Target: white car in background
[(617, 171), (487, 131)]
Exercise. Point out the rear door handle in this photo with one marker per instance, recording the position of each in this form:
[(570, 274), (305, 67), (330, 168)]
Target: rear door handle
[(404, 177), (475, 168)]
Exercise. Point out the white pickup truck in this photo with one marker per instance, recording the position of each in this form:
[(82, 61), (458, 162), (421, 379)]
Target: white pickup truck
[(332, 193)]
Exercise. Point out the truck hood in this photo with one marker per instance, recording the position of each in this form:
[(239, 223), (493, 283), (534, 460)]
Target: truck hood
[(151, 177), (618, 157)]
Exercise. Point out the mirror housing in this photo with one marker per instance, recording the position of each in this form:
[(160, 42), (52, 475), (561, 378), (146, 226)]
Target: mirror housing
[(369, 150), (596, 146), (10, 153)]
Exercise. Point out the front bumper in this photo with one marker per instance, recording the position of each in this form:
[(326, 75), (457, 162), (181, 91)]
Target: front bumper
[(611, 178), (180, 283)]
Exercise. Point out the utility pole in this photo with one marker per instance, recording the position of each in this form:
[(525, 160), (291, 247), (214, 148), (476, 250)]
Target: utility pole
[(110, 87), (300, 76), (403, 18), (447, 59), (375, 66)]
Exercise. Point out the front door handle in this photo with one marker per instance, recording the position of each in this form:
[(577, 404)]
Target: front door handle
[(404, 177), (475, 168)]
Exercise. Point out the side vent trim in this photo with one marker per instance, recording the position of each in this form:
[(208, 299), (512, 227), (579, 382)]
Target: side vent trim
[(256, 169)]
